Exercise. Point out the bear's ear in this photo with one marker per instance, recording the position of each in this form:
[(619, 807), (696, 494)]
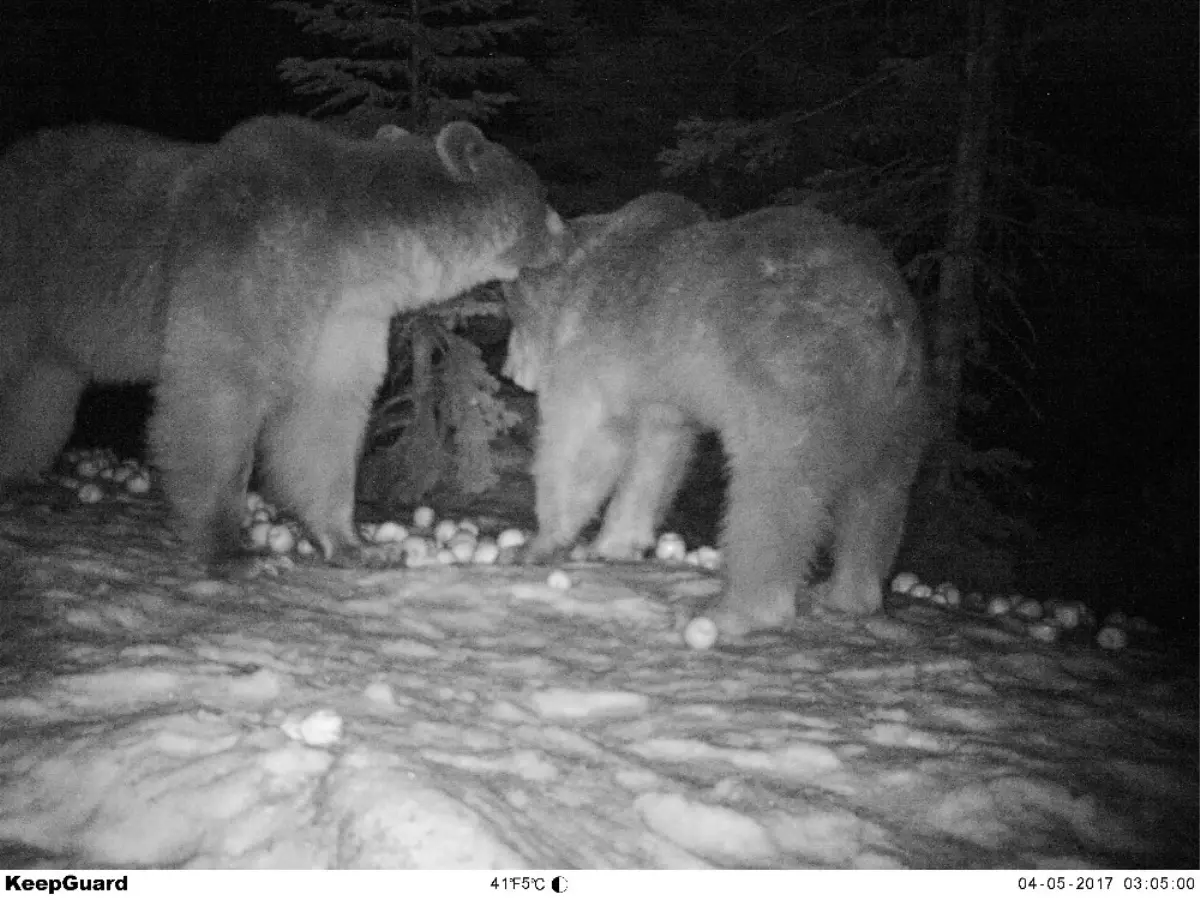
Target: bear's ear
[(463, 149), (390, 132)]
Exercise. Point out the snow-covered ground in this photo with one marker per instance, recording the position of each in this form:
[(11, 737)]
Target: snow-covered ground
[(476, 717)]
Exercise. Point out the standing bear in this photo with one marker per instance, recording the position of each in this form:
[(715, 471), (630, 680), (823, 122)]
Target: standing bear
[(253, 281), (85, 215), (789, 333)]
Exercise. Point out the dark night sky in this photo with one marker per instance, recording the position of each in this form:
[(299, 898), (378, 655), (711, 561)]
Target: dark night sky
[(190, 68), (1117, 374)]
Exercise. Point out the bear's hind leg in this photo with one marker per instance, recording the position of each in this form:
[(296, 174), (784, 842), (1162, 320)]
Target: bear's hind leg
[(869, 523), (775, 522), (580, 454), (203, 436), (661, 449), (37, 413)]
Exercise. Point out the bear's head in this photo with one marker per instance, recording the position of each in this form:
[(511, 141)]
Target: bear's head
[(509, 199)]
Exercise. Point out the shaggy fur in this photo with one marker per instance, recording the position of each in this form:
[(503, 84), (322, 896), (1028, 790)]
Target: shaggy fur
[(787, 332), (262, 272), (84, 219)]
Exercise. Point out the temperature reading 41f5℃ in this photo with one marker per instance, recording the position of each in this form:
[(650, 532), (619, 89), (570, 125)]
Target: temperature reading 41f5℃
[(558, 884)]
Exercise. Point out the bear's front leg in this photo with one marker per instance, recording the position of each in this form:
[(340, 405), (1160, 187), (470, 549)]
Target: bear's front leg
[(662, 447), (581, 452), (310, 445)]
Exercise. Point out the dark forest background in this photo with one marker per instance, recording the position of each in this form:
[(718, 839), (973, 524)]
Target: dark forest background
[(1072, 308)]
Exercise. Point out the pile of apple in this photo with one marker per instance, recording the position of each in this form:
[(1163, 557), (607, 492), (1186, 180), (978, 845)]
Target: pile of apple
[(1042, 620), (428, 541), (93, 474)]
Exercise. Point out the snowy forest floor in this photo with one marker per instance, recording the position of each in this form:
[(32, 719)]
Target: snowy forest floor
[(475, 717)]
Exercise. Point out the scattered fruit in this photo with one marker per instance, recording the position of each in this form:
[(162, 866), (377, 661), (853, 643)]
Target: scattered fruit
[(950, 594), (487, 552), (91, 493), (280, 539), (670, 548), (1029, 610), (462, 547), (1111, 637), (457, 543), (390, 533), (138, 483), (510, 537), (446, 529), (1067, 615), (999, 605), (700, 633)]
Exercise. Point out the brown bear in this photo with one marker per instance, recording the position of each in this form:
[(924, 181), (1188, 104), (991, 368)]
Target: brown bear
[(786, 331), (84, 219), (257, 278)]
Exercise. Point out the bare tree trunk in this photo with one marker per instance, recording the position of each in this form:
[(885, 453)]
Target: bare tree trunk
[(956, 313), (415, 100)]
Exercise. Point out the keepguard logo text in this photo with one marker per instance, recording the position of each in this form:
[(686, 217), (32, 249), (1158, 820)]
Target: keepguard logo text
[(66, 883)]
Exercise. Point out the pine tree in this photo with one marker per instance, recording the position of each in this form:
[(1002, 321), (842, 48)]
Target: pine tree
[(420, 64)]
